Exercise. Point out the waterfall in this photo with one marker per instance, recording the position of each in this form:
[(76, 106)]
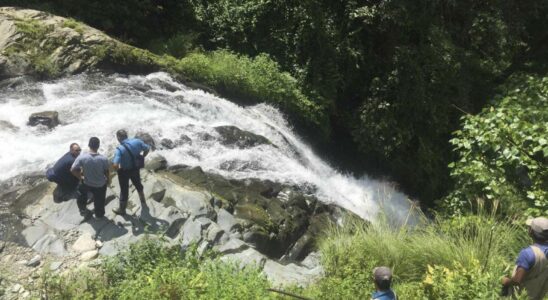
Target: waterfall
[(98, 105)]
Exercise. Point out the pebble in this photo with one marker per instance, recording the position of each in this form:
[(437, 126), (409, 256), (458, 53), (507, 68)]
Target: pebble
[(89, 255), (16, 288), (55, 265), (98, 244), (34, 262)]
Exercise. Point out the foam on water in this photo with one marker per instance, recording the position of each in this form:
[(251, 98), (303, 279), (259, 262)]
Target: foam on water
[(95, 105)]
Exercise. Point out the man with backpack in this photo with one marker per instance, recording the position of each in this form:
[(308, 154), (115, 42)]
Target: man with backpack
[(531, 271), (127, 162), (60, 174)]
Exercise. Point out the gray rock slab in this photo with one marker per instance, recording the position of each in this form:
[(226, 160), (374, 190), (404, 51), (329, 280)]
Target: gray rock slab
[(281, 275), (192, 202), (227, 221), (214, 233), (50, 243), (248, 257), (191, 232), (232, 246)]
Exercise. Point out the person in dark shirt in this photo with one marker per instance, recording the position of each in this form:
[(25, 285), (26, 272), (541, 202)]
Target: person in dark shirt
[(60, 173)]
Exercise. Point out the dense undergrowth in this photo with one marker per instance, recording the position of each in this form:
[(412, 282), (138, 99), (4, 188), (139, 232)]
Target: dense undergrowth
[(462, 257), (148, 270)]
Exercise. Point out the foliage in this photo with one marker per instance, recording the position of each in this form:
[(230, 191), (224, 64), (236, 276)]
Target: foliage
[(503, 151), (252, 80), (71, 23), (459, 282), (148, 270), (467, 246)]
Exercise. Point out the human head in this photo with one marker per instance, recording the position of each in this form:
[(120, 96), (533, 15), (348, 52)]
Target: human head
[(538, 229), (382, 276), (75, 149), (121, 135), (94, 143)]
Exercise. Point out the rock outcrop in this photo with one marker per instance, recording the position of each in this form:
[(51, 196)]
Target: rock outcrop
[(267, 224), (46, 46)]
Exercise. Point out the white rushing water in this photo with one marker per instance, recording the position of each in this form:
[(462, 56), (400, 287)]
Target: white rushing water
[(95, 105)]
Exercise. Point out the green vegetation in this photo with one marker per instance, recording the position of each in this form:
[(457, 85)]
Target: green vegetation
[(469, 248), (149, 271), (503, 152), (71, 23), (38, 55), (252, 80)]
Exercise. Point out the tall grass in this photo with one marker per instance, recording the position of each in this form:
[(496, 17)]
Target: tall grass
[(480, 244)]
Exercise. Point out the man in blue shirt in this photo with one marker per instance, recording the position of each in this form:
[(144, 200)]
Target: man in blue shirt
[(127, 161), (531, 271), (382, 277), (60, 174)]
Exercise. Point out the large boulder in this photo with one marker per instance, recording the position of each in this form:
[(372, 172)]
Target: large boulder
[(46, 118)]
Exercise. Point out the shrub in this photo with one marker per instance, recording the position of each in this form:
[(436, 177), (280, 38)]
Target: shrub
[(252, 80), (478, 245), (503, 152), (148, 270)]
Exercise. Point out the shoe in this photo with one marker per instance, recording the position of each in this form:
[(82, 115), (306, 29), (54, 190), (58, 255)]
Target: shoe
[(119, 211), (87, 214)]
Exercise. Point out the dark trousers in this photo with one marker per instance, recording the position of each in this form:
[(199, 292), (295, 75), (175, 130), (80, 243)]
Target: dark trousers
[(124, 176), (99, 194)]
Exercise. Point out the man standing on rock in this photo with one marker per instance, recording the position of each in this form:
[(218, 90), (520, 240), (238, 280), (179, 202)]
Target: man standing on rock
[(128, 161), (96, 175), (60, 174)]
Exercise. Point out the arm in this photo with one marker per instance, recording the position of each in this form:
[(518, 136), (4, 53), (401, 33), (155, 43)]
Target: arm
[(146, 148), (77, 173), (107, 175), (76, 169), (516, 279), (116, 160)]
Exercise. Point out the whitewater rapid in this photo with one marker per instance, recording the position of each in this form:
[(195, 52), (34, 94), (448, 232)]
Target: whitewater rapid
[(98, 105)]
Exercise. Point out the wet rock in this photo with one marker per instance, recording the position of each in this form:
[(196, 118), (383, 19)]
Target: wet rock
[(34, 262), (89, 255), (2, 246), (46, 118), (192, 202), (184, 140), (5, 125), (167, 144), (156, 163), (146, 138), (234, 136)]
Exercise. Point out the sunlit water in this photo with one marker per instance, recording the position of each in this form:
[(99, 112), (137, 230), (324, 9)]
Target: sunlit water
[(97, 105)]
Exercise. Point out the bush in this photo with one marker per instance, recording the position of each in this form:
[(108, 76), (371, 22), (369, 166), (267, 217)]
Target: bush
[(252, 80), (148, 270), (470, 247), (503, 152)]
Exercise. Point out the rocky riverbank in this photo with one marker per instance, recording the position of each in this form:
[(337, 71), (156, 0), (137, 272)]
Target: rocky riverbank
[(253, 222)]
